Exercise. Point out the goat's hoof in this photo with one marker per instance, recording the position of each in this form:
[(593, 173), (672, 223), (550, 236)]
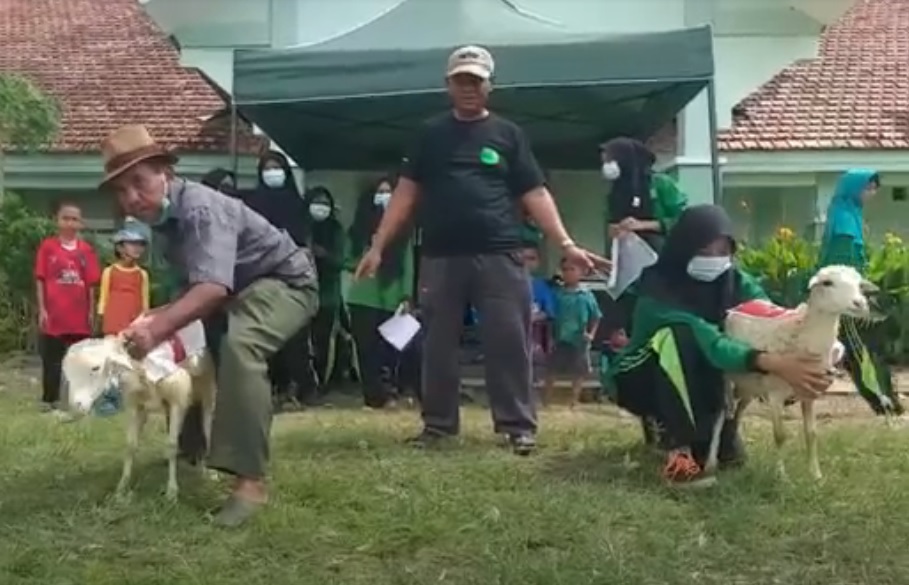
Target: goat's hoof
[(123, 495), (710, 468), (171, 493), (816, 475)]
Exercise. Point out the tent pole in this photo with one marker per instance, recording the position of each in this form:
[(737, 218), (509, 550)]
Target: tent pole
[(234, 137), (714, 147)]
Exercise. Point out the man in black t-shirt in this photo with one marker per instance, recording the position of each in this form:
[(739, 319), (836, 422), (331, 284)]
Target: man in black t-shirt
[(468, 178)]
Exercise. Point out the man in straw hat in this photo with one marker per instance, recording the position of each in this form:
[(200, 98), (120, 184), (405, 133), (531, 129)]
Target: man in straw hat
[(229, 258)]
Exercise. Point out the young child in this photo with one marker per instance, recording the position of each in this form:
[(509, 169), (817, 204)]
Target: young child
[(124, 291), (543, 309), (577, 316), (66, 272)]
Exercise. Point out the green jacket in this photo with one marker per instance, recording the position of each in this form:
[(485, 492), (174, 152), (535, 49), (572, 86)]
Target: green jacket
[(330, 268), (369, 292), (668, 201), (724, 353), (843, 249)]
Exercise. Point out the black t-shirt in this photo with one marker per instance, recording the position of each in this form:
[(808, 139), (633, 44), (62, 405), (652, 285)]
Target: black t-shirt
[(472, 175)]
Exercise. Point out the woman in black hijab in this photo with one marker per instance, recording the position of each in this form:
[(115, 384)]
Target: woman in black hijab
[(640, 200), (277, 199), (672, 371), (327, 243), (221, 180)]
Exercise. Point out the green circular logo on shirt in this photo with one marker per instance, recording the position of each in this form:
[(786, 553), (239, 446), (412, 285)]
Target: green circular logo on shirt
[(489, 156)]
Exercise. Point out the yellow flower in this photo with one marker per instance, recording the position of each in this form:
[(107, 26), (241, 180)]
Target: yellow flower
[(785, 233), (892, 239)]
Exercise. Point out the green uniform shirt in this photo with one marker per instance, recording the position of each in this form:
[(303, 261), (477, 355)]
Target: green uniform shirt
[(575, 310), (371, 292), (668, 201), (724, 353)]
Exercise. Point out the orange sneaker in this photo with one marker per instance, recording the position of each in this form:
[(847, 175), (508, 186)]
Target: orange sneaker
[(683, 471)]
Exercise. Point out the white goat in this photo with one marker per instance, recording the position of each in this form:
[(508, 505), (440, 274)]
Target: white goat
[(91, 366), (812, 327)]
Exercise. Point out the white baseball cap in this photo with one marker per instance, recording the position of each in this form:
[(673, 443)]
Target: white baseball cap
[(472, 60)]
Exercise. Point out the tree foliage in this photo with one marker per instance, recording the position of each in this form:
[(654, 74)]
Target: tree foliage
[(29, 118)]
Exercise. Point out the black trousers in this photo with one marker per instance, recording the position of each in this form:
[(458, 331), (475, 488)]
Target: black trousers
[(331, 357), (52, 349), (373, 353), (293, 364), (683, 401)]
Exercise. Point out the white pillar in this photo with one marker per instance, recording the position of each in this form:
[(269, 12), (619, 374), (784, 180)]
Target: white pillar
[(693, 152), (825, 184)]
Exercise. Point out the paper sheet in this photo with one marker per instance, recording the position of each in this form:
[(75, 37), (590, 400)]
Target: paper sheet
[(630, 256), (400, 330)]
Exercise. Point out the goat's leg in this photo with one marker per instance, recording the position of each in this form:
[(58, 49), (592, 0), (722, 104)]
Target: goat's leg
[(208, 413), (809, 426), (779, 432), (712, 463), (135, 423), (728, 412), (177, 415)]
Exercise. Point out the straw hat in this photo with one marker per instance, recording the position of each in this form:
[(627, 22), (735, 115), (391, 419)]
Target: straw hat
[(128, 146)]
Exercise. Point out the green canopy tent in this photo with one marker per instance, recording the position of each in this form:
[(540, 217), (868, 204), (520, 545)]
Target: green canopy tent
[(354, 101)]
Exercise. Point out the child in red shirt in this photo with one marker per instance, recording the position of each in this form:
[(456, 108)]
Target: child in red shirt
[(66, 271), (124, 285)]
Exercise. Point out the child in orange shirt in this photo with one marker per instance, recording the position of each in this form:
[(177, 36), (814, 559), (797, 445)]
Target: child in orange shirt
[(124, 291)]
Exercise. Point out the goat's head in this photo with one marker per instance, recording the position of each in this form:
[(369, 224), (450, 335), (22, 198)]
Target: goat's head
[(90, 367), (839, 290)]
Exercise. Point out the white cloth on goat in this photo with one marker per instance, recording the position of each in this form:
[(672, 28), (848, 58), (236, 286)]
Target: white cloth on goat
[(161, 362)]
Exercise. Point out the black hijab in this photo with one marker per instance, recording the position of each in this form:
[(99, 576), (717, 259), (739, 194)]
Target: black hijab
[(283, 206), (668, 281), (221, 180), (635, 162), (366, 220)]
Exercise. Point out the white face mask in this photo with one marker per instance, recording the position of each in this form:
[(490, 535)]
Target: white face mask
[(611, 170), (274, 178), (708, 268), (381, 199), (319, 211)]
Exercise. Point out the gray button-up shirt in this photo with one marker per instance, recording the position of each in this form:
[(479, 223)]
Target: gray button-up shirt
[(213, 238)]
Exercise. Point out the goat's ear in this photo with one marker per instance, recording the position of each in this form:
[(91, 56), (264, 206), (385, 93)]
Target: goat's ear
[(869, 288), (813, 282)]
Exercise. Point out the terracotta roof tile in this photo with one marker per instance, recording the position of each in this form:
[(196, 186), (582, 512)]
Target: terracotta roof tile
[(853, 96), (107, 64)]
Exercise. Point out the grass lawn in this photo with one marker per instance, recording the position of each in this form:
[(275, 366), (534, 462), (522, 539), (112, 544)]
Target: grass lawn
[(352, 505)]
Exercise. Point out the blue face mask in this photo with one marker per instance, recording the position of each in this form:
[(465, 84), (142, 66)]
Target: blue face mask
[(708, 268)]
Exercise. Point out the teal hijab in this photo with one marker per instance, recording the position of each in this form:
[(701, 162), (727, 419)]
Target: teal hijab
[(844, 215)]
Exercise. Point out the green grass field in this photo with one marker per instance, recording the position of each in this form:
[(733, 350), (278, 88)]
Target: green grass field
[(352, 505)]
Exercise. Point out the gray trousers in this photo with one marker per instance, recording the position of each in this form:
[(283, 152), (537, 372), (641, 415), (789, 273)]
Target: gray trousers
[(499, 287)]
